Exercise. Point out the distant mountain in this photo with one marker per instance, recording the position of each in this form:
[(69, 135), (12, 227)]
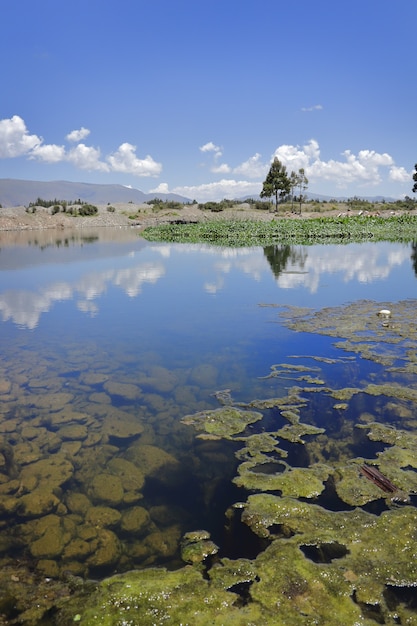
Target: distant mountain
[(322, 198), (21, 192)]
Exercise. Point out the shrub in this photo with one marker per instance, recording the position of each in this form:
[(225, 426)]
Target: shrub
[(87, 209), (261, 205)]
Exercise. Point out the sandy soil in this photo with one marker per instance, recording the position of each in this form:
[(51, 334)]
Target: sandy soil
[(140, 216)]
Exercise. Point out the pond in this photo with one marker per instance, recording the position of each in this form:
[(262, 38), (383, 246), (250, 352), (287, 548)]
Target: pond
[(153, 390)]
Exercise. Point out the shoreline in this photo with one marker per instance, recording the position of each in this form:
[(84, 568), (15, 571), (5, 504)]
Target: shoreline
[(140, 216)]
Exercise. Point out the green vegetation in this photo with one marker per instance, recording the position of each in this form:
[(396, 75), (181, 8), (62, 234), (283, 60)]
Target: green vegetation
[(308, 231), (76, 207), (159, 205), (217, 207), (51, 203), (87, 209), (415, 179), (277, 182)]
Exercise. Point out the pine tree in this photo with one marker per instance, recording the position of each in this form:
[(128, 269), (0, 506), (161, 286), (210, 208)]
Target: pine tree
[(277, 182)]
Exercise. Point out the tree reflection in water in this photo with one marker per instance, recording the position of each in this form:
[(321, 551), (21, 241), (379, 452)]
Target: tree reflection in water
[(279, 257)]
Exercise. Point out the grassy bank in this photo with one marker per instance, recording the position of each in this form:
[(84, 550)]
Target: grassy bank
[(295, 231)]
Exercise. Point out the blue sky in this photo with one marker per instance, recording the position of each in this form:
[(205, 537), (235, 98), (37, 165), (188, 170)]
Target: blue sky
[(198, 96)]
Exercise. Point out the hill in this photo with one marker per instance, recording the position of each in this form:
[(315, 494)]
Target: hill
[(15, 192)]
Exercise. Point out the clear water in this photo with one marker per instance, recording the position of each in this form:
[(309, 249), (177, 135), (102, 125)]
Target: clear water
[(111, 327)]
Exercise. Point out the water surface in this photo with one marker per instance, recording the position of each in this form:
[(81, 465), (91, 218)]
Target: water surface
[(108, 341)]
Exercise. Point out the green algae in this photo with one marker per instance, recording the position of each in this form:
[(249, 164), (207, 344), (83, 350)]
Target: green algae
[(361, 328), (295, 432), (300, 482), (158, 596), (370, 540), (285, 585), (224, 422), (196, 546)]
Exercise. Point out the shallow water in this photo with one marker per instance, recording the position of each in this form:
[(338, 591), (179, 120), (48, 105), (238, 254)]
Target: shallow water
[(108, 341)]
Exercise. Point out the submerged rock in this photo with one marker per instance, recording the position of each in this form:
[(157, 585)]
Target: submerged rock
[(107, 551), (135, 520), (107, 488), (40, 501), (103, 516)]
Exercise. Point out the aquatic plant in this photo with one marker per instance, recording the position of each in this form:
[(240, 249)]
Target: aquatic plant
[(295, 231)]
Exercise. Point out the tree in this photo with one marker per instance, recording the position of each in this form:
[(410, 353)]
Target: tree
[(415, 179), (302, 184), (277, 182), (293, 185)]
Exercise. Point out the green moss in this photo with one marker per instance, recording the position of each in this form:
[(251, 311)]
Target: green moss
[(224, 422), (300, 482), (295, 432), (197, 546), (157, 596)]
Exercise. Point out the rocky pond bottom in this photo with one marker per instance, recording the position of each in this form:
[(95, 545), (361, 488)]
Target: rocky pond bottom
[(295, 508)]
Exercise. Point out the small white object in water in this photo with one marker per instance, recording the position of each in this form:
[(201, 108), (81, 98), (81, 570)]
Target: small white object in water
[(384, 313)]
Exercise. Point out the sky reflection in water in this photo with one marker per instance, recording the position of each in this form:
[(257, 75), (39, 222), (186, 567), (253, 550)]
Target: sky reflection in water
[(181, 280)]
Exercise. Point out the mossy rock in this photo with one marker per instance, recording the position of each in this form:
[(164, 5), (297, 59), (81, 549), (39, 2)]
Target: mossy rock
[(125, 390), (77, 502), (135, 520), (52, 540), (77, 550), (119, 426), (107, 488), (196, 546), (73, 432), (154, 462), (103, 516), (49, 473), (37, 503), (131, 476), (107, 552)]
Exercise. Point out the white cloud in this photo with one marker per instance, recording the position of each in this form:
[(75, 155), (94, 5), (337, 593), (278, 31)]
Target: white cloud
[(211, 147), (225, 188), (399, 174), (125, 160), (162, 188), (222, 168), (363, 168), (87, 158), (50, 153), (295, 157), (253, 167), (15, 140), (78, 135), (315, 107)]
